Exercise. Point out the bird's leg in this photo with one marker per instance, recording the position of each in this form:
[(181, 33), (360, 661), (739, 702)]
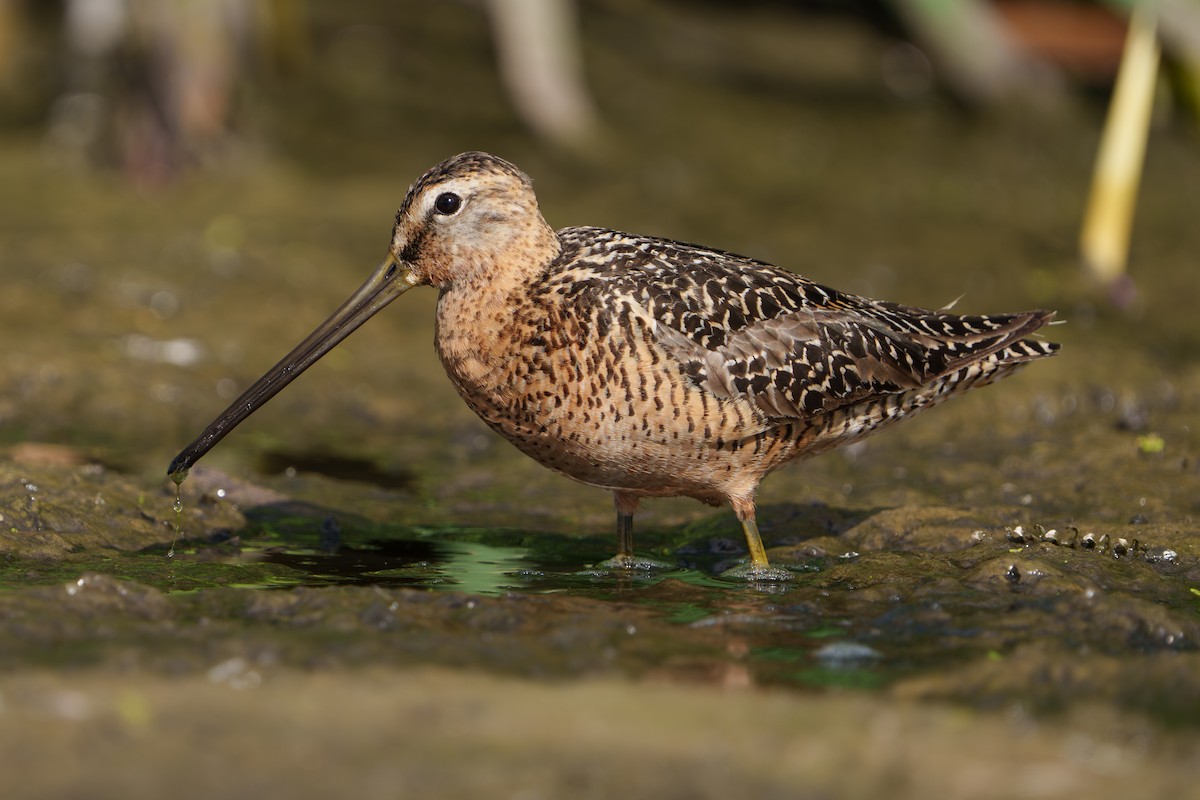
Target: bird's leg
[(758, 568), (744, 508), (626, 505), (624, 534)]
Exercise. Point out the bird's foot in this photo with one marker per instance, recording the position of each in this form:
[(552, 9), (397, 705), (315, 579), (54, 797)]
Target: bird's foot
[(757, 572), (623, 562)]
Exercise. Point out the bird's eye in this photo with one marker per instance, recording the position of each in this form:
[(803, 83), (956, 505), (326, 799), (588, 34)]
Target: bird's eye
[(447, 203)]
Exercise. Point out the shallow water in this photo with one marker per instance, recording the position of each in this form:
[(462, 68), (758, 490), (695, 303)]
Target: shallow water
[(364, 560)]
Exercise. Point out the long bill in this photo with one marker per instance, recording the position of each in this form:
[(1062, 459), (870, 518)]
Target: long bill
[(390, 280)]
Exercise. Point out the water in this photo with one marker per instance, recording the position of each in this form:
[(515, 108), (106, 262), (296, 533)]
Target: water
[(178, 508), (916, 612), (487, 562)]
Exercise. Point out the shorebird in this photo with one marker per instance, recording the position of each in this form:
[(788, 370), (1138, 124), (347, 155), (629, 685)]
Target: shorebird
[(646, 366)]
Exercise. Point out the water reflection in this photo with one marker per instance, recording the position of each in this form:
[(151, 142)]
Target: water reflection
[(480, 567)]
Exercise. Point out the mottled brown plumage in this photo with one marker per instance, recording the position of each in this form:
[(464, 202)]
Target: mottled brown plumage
[(646, 366)]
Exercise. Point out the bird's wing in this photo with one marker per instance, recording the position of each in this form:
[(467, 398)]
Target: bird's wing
[(795, 349)]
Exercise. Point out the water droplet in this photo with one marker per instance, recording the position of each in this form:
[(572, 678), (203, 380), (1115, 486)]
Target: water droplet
[(178, 509)]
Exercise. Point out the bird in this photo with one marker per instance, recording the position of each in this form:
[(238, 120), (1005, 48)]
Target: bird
[(647, 366)]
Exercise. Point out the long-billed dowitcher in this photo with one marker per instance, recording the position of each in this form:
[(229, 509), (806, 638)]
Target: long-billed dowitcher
[(645, 366)]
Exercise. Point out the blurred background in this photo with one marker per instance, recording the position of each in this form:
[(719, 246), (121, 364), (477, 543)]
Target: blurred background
[(187, 188)]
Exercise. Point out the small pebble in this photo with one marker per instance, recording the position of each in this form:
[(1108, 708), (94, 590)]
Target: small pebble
[(846, 654)]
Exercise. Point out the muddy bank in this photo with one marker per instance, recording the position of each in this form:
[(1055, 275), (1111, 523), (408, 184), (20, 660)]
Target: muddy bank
[(242, 731)]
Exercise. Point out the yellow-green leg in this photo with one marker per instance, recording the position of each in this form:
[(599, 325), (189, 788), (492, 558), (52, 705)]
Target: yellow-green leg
[(759, 568), (758, 553)]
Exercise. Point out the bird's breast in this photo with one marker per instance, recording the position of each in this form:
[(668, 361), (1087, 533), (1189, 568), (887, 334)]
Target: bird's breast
[(498, 355), (602, 403)]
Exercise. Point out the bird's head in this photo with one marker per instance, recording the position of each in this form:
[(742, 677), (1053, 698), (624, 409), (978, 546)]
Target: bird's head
[(473, 217)]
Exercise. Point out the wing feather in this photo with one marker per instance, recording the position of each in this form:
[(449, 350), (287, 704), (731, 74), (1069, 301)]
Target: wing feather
[(795, 349)]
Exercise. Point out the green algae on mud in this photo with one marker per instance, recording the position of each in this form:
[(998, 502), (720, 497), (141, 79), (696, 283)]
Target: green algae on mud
[(89, 509)]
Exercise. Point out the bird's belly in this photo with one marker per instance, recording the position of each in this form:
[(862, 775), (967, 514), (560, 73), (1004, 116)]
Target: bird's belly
[(672, 441)]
